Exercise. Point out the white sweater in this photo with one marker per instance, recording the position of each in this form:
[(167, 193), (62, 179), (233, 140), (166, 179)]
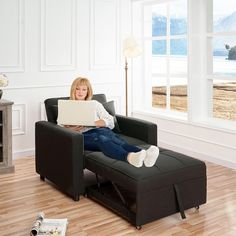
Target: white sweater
[(102, 114)]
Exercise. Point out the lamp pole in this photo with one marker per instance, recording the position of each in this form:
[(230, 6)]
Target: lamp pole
[(126, 87), (130, 50)]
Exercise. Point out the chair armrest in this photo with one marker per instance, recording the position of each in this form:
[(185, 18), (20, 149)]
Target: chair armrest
[(59, 157), (137, 128)]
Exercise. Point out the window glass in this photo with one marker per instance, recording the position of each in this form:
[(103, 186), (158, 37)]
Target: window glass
[(159, 64), (178, 94), (178, 56), (165, 50), (224, 100), (178, 17), (159, 90), (224, 15), (159, 47), (178, 46), (223, 44), (159, 20), (224, 55), (178, 64)]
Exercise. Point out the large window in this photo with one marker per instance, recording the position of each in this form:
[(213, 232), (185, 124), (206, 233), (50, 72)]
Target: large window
[(189, 59), (165, 45), (222, 48)]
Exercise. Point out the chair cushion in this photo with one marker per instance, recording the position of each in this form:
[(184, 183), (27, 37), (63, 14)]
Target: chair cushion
[(54, 109), (171, 167)]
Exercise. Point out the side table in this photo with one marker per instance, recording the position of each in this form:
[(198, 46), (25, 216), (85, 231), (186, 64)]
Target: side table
[(6, 137)]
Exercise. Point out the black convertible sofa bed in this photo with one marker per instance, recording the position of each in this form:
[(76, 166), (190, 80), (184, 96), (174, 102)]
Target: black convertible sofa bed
[(141, 195)]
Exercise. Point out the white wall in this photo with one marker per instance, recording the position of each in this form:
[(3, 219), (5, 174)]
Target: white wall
[(45, 44)]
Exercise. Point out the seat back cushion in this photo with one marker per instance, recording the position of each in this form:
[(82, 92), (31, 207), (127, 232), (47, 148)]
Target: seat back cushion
[(110, 108)]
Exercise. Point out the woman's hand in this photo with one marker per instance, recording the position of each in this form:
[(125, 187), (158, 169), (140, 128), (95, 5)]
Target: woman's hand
[(100, 123), (74, 127)]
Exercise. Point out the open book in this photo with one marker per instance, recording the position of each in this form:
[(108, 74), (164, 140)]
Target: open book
[(48, 227)]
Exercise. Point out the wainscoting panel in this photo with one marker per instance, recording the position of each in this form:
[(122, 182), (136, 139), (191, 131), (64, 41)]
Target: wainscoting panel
[(58, 35), (104, 53), (12, 35), (19, 119)]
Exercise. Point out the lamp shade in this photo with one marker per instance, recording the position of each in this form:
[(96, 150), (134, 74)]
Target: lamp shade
[(131, 48)]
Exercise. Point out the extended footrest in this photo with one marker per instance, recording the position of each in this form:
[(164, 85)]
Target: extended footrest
[(142, 195)]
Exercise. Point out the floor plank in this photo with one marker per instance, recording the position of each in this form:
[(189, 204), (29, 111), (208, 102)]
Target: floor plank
[(23, 195)]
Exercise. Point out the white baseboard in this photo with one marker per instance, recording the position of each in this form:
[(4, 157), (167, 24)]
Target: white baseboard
[(23, 153)]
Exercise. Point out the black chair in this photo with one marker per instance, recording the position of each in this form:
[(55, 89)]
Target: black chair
[(60, 155)]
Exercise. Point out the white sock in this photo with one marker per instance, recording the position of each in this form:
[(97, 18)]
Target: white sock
[(136, 158), (152, 154)]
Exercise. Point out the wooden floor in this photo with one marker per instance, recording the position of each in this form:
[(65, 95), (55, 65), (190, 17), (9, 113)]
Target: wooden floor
[(23, 195)]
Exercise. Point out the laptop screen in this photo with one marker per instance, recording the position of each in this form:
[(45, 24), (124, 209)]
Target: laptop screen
[(74, 112)]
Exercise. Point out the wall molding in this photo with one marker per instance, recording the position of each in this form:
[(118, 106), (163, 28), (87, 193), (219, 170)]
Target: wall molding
[(45, 66), (20, 66), (23, 153), (189, 140), (55, 86), (37, 86), (184, 121), (19, 115), (115, 4), (189, 137), (199, 155), (197, 139)]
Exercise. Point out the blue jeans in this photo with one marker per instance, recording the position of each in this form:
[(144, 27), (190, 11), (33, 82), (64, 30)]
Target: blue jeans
[(106, 141)]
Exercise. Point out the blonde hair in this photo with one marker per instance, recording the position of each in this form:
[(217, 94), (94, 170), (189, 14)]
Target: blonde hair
[(81, 81)]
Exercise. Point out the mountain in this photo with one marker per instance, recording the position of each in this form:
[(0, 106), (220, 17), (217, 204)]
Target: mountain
[(227, 23), (158, 25), (178, 26)]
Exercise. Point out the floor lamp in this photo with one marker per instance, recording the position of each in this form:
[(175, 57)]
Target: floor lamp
[(130, 50)]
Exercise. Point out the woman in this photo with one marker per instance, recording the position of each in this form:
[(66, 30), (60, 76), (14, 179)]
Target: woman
[(102, 138)]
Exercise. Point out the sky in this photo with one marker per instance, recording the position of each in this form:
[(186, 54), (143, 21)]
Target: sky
[(178, 8), (224, 7), (221, 7)]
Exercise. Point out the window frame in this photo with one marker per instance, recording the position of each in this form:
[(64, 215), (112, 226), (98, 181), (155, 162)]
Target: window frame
[(148, 86), (199, 59), (210, 75)]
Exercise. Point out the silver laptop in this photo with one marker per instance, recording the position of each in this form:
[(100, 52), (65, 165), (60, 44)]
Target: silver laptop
[(74, 112)]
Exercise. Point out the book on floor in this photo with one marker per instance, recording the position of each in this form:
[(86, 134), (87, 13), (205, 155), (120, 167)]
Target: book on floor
[(48, 226)]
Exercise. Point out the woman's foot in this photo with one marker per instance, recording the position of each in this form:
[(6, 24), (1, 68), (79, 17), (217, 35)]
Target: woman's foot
[(136, 158), (152, 154)]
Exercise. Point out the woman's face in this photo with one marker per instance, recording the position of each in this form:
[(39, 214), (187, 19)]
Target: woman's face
[(81, 92)]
